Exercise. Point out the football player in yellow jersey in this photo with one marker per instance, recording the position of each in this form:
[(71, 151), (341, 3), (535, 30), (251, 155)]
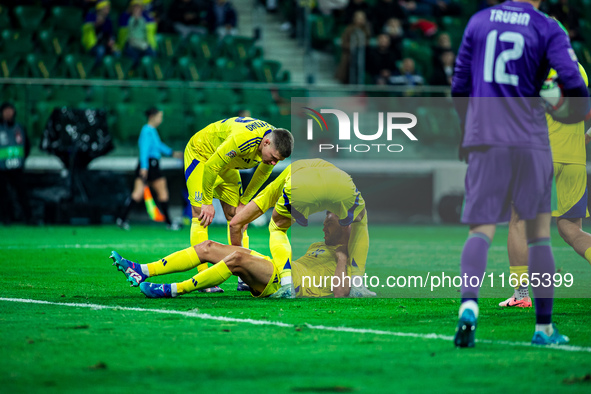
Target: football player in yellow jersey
[(569, 201), (213, 157), (322, 259), (306, 187)]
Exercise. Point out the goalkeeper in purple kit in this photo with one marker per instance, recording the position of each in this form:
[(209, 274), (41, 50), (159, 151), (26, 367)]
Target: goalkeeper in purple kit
[(502, 63)]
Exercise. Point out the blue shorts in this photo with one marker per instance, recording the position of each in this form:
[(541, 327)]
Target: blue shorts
[(501, 177)]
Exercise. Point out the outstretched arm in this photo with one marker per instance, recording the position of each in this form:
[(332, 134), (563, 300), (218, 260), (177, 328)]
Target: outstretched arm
[(246, 215)]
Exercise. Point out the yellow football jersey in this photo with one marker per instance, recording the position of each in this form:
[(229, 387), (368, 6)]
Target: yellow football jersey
[(309, 271), (567, 140), (229, 144)]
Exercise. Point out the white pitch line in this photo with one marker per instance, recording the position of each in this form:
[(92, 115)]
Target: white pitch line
[(205, 316)]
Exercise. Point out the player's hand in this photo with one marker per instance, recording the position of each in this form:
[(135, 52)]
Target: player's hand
[(144, 174), (286, 291), (207, 214)]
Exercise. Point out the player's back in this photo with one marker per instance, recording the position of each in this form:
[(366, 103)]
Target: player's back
[(503, 61), (248, 132)]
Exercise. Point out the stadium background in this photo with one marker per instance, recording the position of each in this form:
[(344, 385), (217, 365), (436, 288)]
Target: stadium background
[(198, 80)]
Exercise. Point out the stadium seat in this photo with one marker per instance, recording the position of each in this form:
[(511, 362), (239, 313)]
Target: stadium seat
[(54, 42), (170, 45), (175, 125), (187, 70), (70, 95), (185, 96), (322, 30), (151, 69), (4, 18), (40, 66), (130, 120), (16, 42), (9, 66), (229, 71), (202, 48), (119, 5), (220, 96), (268, 71), (146, 97), (239, 49), (114, 68), (29, 17), (77, 66), (66, 19)]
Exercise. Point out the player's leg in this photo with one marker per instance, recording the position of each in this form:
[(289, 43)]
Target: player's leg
[(238, 259), (136, 197), (160, 187), (280, 245), (518, 254), (571, 230), (541, 270)]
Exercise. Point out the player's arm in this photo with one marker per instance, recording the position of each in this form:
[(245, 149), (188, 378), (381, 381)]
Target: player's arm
[(259, 177), (341, 271), (250, 212), (215, 164), (562, 58), (461, 84)]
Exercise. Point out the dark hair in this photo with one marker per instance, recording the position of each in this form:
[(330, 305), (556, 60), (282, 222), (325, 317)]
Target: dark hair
[(151, 112), (283, 141)]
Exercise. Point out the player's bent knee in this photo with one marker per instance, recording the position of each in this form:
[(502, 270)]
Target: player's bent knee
[(205, 247)]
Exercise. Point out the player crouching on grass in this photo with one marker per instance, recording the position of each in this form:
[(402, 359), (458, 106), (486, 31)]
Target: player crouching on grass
[(258, 271)]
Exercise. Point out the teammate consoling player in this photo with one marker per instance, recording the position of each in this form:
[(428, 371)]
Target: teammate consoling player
[(304, 188), (506, 53)]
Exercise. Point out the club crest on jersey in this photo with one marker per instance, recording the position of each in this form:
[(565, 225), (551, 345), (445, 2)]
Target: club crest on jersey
[(232, 154)]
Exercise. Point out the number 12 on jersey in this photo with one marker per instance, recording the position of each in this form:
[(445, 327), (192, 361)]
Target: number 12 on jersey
[(500, 63)]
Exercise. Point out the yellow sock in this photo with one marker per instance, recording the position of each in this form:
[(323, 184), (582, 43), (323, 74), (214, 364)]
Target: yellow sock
[(518, 270), (588, 255), (245, 239), (280, 250), (180, 261), (198, 232), (212, 276), (198, 235), (358, 246)]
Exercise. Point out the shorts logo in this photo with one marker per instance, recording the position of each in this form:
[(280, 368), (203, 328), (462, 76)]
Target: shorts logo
[(232, 154), (198, 196)]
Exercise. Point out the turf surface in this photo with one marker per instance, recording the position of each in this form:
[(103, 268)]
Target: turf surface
[(203, 342)]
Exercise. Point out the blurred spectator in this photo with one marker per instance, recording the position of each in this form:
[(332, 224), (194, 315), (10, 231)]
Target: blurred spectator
[(487, 3), (443, 72), (416, 7), (245, 113), (98, 37), (385, 10), (443, 7), (353, 7), (186, 17), (137, 32), (381, 61), (394, 30), (222, 18), (407, 75), (568, 14), (154, 8), (354, 38), (14, 150), (443, 45)]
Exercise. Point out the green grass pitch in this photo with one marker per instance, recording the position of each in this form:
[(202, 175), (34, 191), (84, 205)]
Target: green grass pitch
[(234, 343)]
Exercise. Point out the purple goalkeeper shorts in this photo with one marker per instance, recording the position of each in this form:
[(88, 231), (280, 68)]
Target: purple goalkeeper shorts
[(501, 177)]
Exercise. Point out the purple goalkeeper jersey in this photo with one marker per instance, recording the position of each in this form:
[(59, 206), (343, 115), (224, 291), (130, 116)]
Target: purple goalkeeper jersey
[(505, 56)]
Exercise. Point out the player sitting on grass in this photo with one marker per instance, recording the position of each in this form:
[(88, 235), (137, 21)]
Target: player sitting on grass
[(304, 188), (213, 157), (258, 271)]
